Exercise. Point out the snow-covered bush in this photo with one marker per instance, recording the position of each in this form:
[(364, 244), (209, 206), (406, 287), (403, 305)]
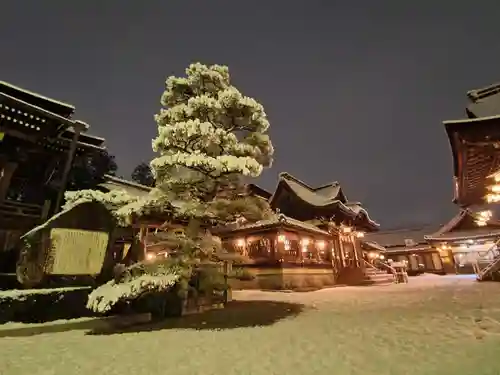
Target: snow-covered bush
[(105, 297)]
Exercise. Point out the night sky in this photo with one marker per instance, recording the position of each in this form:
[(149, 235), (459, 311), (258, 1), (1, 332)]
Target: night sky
[(356, 91)]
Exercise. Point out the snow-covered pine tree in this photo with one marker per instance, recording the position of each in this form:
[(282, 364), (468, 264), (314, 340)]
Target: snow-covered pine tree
[(210, 138)]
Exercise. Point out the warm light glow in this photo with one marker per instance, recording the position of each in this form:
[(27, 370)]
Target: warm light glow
[(240, 242), (372, 255), (321, 245), (150, 256), (281, 238), (483, 217), (304, 241), (487, 214), (495, 176), (347, 229), (360, 234), (495, 188), (381, 256), (493, 198)]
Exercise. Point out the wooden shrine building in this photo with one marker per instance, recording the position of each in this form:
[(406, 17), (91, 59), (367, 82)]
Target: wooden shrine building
[(39, 140), (454, 247), (410, 245), (475, 146), (313, 241), (467, 238)]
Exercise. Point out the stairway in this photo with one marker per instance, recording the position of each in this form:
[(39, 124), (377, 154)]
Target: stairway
[(485, 268), (374, 276)]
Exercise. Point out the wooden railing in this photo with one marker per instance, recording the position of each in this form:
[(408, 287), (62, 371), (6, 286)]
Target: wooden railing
[(368, 264), (388, 267)]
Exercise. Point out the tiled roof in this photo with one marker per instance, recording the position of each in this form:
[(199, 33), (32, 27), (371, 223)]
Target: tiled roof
[(482, 232), (132, 188), (329, 196), (394, 238), (372, 246), (275, 221)]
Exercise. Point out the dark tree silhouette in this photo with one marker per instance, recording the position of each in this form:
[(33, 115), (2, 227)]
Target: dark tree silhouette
[(88, 171), (143, 175)]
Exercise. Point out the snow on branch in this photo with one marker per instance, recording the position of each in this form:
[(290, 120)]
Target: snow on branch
[(209, 127)]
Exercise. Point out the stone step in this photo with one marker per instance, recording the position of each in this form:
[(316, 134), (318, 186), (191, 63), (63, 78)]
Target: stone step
[(379, 278)]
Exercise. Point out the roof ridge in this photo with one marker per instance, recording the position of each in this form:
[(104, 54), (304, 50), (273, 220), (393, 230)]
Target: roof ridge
[(478, 94), (126, 182), (333, 183), (288, 176)]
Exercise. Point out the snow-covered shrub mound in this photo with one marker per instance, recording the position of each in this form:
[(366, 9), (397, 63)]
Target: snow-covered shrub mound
[(43, 305), (106, 296)]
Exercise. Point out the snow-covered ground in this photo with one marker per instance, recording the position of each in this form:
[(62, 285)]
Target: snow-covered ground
[(433, 325)]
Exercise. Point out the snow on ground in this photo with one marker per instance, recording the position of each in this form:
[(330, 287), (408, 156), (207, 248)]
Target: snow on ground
[(433, 325)]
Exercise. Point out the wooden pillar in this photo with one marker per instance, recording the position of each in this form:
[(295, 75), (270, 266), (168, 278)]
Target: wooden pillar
[(341, 251), (358, 251), (7, 170), (78, 127), (279, 246)]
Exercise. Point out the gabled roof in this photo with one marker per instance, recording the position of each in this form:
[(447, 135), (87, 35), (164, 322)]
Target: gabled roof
[(320, 196), (400, 237), (328, 199), (463, 226), (485, 102), (115, 183)]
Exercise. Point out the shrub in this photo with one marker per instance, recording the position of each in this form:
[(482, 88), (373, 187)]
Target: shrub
[(43, 305)]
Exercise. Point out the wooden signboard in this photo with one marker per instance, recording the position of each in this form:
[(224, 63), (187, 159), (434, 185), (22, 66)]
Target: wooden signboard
[(76, 252)]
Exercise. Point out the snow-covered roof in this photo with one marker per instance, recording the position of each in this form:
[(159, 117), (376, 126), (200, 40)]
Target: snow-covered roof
[(329, 198), (277, 220), (463, 227), (132, 188)]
